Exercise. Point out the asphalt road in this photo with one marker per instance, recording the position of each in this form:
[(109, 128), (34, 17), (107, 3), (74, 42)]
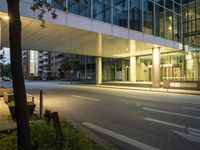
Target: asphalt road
[(127, 118)]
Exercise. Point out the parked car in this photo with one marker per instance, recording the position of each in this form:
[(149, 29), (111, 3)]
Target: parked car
[(6, 79)]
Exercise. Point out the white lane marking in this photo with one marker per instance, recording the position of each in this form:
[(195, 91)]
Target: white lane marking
[(188, 136), (87, 98), (165, 123), (190, 108), (193, 129), (120, 137), (194, 133), (172, 113)]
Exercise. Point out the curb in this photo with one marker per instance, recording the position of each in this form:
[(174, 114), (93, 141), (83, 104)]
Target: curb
[(150, 90)]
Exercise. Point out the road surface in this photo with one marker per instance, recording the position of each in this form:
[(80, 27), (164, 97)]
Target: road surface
[(128, 119)]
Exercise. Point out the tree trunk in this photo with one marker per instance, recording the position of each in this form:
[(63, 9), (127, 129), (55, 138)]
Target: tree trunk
[(23, 134)]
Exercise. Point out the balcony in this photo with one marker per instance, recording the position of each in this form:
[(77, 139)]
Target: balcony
[(45, 57), (45, 63)]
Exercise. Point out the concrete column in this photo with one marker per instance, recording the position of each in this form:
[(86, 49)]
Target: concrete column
[(99, 60), (132, 71), (156, 67), (98, 70), (85, 67)]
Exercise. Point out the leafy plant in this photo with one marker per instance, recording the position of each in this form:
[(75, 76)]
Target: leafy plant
[(43, 137), (12, 104)]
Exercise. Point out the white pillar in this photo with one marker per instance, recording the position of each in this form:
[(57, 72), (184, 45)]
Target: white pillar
[(99, 60), (98, 70), (156, 67), (132, 71), (85, 66)]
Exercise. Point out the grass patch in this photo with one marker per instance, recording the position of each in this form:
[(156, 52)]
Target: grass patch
[(43, 138)]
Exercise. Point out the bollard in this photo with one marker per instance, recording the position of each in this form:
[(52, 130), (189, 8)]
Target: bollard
[(41, 104)]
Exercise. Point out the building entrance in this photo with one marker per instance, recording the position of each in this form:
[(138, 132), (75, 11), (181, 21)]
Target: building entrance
[(171, 72), (116, 69)]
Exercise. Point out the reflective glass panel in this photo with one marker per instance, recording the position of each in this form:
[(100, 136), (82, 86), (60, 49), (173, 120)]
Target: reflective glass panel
[(102, 10), (177, 26), (160, 2), (178, 1), (148, 17), (135, 15), (169, 4), (169, 20), (82, 8), (58, 4), (120, 12), (159, 12), (177, 8)]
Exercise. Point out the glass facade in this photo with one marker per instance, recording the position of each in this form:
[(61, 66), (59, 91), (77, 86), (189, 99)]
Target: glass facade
[(160, 23), (120, 12), (82, 8), (174, 66), (156, 17), (87, 68), (102, 10), (115, 69), (148, 13), (191, 16), (169, 23), (136, 15), (177, 20), (58, 4)]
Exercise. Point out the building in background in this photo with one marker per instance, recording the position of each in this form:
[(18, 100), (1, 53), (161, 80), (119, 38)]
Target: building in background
[(35, 64), (26, 63), (46, 65), (56, 59)]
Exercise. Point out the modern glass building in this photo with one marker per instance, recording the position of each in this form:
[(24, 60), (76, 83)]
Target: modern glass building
[(130, 40)]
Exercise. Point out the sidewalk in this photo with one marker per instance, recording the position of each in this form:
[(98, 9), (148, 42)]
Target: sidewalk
[(6, 122), (178, 91)]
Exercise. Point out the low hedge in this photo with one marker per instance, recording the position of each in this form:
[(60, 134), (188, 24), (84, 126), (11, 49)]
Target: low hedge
[(43, 138)]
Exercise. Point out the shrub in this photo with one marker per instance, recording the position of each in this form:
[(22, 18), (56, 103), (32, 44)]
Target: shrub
[(43, 138), (8, 141)]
